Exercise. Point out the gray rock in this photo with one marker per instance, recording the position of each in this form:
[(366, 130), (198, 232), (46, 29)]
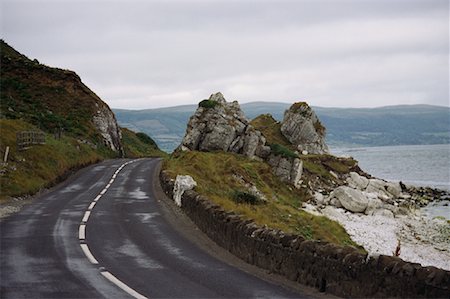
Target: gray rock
[(379, 187), (303, 129), (287, 169), (335, 202), (182, 183), (358, 182), (106, 124), (351, 199), (373, 204), (394, 189), (223, 127)]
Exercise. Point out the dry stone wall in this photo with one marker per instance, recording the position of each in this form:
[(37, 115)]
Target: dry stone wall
[(343, 271)]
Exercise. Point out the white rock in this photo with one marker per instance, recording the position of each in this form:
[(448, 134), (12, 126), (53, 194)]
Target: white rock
[(335, 203), (372, 205), (378, 186), (351, 199), (182, 183), (394, 188), (320, 199), (358, 182), (311, 209), (304, 152)]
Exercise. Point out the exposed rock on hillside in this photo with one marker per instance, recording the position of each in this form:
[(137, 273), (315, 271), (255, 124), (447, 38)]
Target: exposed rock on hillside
[(219, 125), (106, 124), (288, 169), (303, 129), (54, 100)]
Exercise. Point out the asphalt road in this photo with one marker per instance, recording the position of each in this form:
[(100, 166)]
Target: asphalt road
[(104, 233)]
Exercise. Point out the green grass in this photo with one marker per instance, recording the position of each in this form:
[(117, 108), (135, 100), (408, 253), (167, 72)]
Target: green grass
[(271, 130), (138, 145), (280, 150), (208, 104), (28, 171), (215, 174)]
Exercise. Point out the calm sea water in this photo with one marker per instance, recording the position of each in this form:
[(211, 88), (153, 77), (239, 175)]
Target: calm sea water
[(419, 165)]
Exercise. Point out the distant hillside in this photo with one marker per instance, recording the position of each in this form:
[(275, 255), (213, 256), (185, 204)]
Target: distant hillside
[(391, 125), (78, 127)]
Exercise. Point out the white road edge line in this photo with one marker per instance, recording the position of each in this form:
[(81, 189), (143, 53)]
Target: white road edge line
[(82, 232), (121, 285), (88, 254)]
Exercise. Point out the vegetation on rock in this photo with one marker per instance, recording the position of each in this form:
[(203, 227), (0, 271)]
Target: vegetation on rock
[(208, 104)]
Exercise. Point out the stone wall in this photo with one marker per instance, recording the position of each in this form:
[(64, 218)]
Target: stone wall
[(342, 271)]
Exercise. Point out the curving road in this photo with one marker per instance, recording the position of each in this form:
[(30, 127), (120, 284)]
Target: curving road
[(104, 233)]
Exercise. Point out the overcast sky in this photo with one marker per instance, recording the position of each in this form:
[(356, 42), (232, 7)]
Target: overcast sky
[(336, 53)]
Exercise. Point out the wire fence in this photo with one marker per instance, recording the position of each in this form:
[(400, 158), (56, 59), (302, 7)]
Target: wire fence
[(25, 139)]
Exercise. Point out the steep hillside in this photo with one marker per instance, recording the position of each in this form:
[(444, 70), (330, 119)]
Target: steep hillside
[(55, 100), (77, 126), (392, 125)]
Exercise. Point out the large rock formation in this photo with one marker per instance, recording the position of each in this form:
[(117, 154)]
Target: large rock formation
[(303, 129), (105, 122), (219, 125)]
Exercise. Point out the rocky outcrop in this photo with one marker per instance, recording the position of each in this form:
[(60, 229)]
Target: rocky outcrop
[(303, 129), (219, 125), (288, 169), (105, 122)]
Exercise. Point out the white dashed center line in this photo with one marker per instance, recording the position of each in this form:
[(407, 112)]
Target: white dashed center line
[(85, 247)]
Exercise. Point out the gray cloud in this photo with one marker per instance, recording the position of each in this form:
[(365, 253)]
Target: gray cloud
[(143, 54)]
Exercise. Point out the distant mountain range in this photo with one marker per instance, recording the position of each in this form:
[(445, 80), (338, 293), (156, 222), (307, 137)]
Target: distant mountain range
[(390, 125)]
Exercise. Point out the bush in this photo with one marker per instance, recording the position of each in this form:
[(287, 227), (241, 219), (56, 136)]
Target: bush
[(244, 197), (146, 139), (207, 104), (279, 150)]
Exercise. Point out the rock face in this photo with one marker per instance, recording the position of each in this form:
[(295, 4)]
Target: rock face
[(287, 169), (106, 124), (303, 129), (219, 125), (182, 184)]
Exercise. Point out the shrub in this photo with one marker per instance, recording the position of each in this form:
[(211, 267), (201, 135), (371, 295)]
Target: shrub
[(279, 150), (207, 104), (146, 139), (244, 197)]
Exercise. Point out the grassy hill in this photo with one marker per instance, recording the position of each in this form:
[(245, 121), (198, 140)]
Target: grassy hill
[(222, 177), (391, 125), (35, 97)]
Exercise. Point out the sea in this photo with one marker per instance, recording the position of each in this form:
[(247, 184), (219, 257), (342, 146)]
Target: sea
[(419, 165)]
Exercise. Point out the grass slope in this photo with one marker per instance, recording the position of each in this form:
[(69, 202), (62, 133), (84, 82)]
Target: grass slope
[(28, 171), (138, 145), (216, 175)]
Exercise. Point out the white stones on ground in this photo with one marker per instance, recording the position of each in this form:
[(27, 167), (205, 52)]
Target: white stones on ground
[(351, 199), (182, 184), (384, 213)]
